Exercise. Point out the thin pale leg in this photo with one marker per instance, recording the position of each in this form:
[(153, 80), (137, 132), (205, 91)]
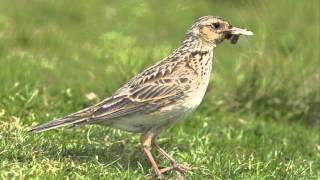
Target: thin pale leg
[(180, 168), (146, 140)]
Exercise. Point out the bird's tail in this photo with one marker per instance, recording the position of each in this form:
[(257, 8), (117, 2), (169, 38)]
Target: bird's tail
[(69, 120)]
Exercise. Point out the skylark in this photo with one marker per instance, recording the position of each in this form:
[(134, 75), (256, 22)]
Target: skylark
[(163, 93)]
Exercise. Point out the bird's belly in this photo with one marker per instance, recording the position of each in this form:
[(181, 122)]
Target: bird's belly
[(143, 122)]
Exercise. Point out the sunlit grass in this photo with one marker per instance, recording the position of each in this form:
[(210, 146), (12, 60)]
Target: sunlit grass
[(259, 119)]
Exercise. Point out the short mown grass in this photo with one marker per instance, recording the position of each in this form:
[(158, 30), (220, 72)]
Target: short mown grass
[(259, 119)]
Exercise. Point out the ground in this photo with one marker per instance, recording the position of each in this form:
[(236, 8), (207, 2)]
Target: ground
[(259, 119)]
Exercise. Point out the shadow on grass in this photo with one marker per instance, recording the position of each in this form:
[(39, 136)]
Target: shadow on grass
[(81, 149), (118, 153)]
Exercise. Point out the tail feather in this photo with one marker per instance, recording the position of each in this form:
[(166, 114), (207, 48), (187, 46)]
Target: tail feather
[(69, 120)]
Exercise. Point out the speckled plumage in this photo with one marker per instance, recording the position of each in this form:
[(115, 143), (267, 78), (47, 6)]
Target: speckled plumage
[(163, 93)]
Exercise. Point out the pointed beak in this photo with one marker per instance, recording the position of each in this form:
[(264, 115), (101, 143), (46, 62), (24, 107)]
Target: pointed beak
[(233, 34), (239, 31)]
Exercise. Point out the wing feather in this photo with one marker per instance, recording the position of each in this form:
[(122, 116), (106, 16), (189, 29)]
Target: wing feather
[(140, 102)]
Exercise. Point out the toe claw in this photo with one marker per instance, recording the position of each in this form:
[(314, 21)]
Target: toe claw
[(166, 169), (182, 167), (179, 168)]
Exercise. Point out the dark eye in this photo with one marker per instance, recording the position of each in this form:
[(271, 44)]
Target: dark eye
[(216, 25)]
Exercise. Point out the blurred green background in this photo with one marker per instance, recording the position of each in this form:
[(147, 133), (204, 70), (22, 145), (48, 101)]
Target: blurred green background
[(260, 117)]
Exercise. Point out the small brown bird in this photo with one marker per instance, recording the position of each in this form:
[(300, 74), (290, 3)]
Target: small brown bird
[(162, 94)]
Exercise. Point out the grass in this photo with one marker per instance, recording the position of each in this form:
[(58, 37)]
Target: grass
[(259, 119)]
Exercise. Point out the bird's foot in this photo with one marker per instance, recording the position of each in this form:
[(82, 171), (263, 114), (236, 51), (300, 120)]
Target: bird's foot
[(155, 175), (181, 168)]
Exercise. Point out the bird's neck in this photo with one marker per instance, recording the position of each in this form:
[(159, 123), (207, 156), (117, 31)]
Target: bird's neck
[(191, 45), (196, 54)]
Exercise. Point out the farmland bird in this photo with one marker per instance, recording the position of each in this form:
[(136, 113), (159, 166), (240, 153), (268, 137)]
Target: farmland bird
[(161, 94)]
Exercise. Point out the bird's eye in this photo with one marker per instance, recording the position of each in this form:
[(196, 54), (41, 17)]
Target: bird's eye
[(216, 25)]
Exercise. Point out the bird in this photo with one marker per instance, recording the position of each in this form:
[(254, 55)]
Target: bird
[(162, 94)]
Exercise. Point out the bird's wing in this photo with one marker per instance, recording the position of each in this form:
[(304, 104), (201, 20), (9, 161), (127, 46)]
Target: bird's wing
[(150, 90), (144, 99)]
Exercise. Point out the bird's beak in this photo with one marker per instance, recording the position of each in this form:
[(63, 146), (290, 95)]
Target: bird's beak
[(239, 31), (233, 34)]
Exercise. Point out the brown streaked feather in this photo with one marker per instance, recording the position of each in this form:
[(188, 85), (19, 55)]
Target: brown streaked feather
[(65, 121), (131, 107), (154, 73), (152, 89), (155, 92), (104, 114), (143, 101)]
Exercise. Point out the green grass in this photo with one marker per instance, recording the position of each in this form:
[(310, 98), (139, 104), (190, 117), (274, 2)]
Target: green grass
[(259, 120)]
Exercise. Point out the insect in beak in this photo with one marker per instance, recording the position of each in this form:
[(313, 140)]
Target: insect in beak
[(233, 34)]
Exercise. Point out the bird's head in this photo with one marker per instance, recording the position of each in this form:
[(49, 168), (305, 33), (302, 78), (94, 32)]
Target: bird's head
[(213, 30)]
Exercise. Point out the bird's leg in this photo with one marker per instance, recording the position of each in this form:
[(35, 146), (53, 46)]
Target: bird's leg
[(180, 168), (146, 140)]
